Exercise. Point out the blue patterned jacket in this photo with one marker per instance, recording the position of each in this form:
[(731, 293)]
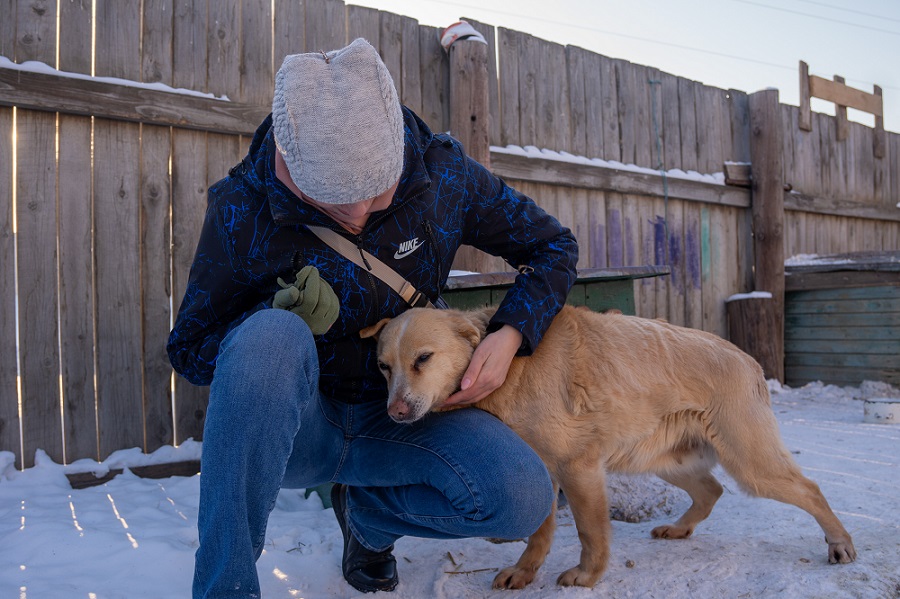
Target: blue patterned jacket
[(254, 233)]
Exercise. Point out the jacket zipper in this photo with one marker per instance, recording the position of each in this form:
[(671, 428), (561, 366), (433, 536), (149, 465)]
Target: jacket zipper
[(437, 256)]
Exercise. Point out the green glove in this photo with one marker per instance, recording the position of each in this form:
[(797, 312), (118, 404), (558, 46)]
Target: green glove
[(310, 298)]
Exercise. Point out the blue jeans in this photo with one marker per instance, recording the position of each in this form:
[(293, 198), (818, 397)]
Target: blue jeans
[(451, 475)]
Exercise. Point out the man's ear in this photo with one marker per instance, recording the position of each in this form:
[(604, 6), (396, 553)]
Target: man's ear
[(374, 330)]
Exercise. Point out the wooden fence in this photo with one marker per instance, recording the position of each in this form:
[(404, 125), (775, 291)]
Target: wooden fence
[(103, 185)]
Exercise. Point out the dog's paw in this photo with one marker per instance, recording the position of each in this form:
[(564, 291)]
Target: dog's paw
[(670, 531), (576, 577), (514, 578), (841, 553)]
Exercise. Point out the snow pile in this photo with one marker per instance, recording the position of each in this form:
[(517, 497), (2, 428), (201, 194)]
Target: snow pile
[(134, 538)]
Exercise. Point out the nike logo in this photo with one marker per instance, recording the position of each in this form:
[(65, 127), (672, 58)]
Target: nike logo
[(407, 248)]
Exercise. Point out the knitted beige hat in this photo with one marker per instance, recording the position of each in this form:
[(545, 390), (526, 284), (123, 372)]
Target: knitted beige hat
[(338, 123)]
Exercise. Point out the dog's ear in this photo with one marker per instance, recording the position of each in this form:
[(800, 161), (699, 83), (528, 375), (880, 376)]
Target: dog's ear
[(468, 330), (374, 330), (472, 325)]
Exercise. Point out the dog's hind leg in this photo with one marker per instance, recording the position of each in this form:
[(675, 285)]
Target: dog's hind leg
[(704, 490), (750, 449), (520, 575)]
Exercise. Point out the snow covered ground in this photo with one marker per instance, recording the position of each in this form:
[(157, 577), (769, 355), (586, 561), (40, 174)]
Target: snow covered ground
[(133, 538)]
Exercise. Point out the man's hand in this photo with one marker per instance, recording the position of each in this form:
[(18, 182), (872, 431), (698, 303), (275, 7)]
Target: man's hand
[(488, 367), (310, 298)]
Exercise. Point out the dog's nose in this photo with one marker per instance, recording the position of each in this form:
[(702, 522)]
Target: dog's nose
[(398, 410)]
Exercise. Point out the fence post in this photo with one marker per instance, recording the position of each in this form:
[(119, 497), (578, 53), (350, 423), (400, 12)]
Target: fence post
[(469, 112), (767, 199)]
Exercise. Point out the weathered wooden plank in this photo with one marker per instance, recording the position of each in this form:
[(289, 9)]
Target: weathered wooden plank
[(615, 249), (508, 53), (256, 48), (646, 289), (884, 292), (593, 105), (290, 30), (821, 169), (35, 27), (577, 100), (76, 293), (687, 113), (671, 121), (190, 45), (837, 206), (8, 28), (568, 174), (223, 152), (435, 74), (677, 280), (118, 39), (693, 251), (391, 47), (552, 126), (9, 395), (410, 83), (106, 100), (721, 264), (879, 362), (74, 37), (469, 98), (609, 95), (798, 281), (833, 320), (739, 109), (490, 35), (889, 307), (802, 332), (155, 196), (710, 104), (364, 22), (627, 111), (640, 211), (645, 136), (36, 222), (118, 276), (325, 28), (529, 77), (710, 299), (223, 47), (576, 204), (156, 41), (597, 231), (631, 231), (189, 177)]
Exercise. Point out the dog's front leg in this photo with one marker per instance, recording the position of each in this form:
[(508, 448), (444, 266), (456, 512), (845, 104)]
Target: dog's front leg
[(521, 575), (585, 489)]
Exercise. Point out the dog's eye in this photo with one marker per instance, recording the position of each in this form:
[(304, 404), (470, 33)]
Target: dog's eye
[(383, 367), (422, 359)]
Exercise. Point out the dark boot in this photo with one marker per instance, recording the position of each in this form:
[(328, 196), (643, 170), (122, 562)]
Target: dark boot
[(366, 571)]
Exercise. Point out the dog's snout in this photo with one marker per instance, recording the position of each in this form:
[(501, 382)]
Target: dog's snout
[(399, 410)]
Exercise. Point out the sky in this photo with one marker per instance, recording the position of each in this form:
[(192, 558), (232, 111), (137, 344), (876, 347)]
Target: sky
[(742, 44), (134, 538)]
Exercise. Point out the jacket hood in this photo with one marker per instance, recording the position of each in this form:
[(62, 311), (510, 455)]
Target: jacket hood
[(259, 167)]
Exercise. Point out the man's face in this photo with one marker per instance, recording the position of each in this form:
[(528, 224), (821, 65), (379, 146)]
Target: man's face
[(357, 210)]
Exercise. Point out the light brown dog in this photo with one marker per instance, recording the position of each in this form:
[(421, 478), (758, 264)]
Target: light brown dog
[(608, 392)]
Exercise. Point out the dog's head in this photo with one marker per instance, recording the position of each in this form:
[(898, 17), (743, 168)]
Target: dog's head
[(423, 354)]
